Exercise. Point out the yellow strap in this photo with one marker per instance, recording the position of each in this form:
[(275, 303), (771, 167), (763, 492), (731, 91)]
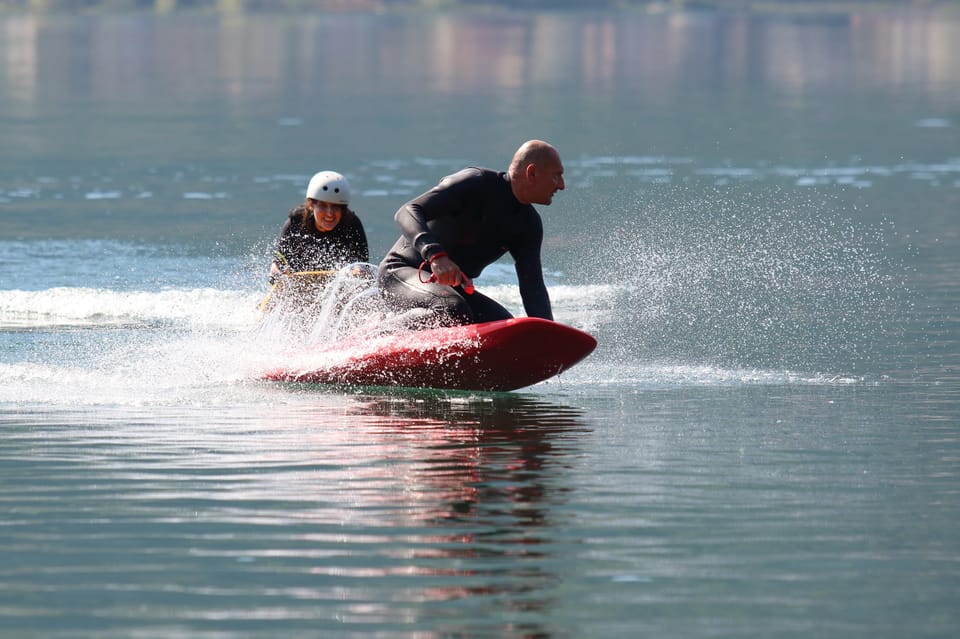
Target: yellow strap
[(313, 273), (265, 302), (263, 305)]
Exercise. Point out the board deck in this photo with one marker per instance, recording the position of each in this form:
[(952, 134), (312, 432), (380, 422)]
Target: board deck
[(494, 356)]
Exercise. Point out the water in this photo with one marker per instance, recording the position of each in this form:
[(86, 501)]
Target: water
[(760, 227)]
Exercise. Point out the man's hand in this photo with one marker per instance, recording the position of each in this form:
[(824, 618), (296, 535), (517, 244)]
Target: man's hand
[(447, 273)]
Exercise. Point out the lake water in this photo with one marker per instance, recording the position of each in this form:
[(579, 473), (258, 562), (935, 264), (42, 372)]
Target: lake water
[(760, 227)]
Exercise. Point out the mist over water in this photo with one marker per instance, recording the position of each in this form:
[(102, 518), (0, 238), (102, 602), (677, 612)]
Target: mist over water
[(751, 278)]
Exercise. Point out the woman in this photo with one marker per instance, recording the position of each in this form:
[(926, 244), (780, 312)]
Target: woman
[(322, 234)]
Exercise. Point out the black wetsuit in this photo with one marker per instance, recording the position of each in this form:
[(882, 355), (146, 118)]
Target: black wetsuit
[(307, 249), (474, 218)]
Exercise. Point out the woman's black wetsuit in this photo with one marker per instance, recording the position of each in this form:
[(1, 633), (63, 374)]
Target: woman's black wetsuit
[(474, 218), (301, 248)]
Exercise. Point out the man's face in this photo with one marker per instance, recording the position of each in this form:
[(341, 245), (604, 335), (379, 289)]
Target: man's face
[(546, 179)]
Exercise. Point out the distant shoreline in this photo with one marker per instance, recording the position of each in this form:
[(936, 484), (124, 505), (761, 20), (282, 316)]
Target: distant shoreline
[(799, 7)]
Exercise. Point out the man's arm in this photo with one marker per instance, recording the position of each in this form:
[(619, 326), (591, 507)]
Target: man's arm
[(445, 199), (533, 291)]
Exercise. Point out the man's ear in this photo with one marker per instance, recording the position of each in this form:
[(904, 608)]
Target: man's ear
[(530, 171)]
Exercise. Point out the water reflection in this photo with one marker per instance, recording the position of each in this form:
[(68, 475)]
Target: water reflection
[(462, 491), (243, 56), (491, 457), (326, 510)]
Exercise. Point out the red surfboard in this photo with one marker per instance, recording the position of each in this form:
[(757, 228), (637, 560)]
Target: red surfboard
[(494, 356)]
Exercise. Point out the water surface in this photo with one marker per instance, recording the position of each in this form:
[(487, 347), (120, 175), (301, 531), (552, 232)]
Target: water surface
[(759, 227)]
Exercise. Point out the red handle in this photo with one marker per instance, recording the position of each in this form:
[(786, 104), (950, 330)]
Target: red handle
[(465, 282)]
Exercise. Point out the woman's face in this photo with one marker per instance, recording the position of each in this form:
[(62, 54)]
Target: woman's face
[(326, 215)]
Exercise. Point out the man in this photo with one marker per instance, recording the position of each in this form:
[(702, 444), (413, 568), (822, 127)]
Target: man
[(465, 223)]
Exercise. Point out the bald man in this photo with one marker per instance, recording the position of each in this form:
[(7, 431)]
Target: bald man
[(465, 223)]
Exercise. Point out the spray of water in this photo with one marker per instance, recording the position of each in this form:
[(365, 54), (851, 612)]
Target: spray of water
[(310, 314), (725, 287), (742, 278)]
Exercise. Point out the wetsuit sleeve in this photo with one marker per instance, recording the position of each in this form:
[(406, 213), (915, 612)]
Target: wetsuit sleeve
[(533, 291), (281, 248), (359, 249), (447, 198)]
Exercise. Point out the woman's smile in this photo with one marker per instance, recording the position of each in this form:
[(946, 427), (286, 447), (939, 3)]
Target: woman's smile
[(326, 216)]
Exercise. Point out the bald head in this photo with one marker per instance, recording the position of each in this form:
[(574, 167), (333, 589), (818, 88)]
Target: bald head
[(532, 152), (536, 172)]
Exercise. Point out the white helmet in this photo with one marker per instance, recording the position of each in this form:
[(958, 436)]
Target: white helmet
[(329, 186)]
